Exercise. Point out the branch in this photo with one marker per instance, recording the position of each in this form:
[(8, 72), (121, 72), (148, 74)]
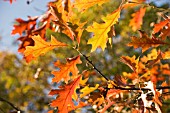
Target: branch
[(152, 6), (11, 104), (90, 62), (123, 88)]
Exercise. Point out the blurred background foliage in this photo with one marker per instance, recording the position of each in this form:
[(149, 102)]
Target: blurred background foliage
[(27, 85)]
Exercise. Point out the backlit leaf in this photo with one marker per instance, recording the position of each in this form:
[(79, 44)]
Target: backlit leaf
[(41, 46), (165, 32), (137, 19), (23, 25), (66, 69), (160, 25), (87, 90), (65, 94), (101, 30)]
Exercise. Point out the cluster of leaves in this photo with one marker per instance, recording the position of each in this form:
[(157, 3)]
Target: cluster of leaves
[(65, 18)]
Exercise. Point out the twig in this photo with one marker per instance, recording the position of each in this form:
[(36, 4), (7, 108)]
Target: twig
[(11, 104), (149, 5), (90, 62), (2, 110), (123, 88), (116, 87)]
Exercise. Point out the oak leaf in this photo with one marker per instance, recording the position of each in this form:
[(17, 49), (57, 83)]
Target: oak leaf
[(23, 25), (65, 96), (132, 62), (160, 25), (41, 46), (66, 69), (87, 90), (144, 41), (82, 5), (62, 20), (137, 19), (101, 30), (165, 32)]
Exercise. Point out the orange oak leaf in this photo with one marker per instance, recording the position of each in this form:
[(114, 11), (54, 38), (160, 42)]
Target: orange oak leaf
[(144, 41), (66, 69), (101, 30), (137, 19), (82, 5), (46, 23), (160, 25), (41, 46), (23, 25), (165, 32), (65, 96), (132, 62)]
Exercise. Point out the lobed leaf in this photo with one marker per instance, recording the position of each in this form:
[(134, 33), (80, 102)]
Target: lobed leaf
[(41, 46), (145, 42), (160, 25), (65, 96), (23, 25), (101, 30), (66, 69), (87, 90), (137, 19), (132, 62)]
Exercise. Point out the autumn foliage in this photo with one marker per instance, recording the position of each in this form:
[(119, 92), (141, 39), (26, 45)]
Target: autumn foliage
[(144, 88)]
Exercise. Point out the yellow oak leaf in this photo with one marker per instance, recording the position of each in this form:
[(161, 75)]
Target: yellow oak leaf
[(87, 90), (82, 5), (101, 30), (167, 55), (41, 46)]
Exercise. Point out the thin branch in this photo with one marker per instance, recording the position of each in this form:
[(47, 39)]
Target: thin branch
[(123, 88), (11, 104), (115, 87), (152, 6), (2, 110), (90, 62)]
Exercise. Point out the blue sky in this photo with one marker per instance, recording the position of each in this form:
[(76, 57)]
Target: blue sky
[(9, 12)]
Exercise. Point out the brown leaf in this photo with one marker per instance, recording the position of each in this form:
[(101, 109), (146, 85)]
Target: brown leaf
[(132, 62), (145, 42)]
